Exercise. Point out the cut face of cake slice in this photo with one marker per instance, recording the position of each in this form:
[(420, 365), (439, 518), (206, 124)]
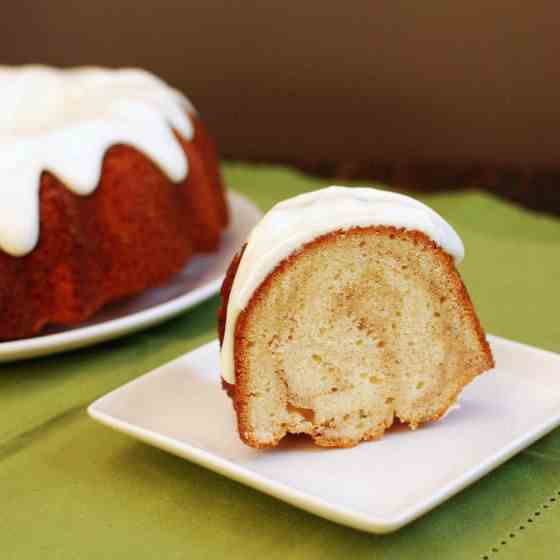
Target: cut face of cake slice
[(356, 328)]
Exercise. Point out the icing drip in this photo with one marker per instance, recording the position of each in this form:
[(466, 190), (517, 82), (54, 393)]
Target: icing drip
[(291, 224), (63, 121)]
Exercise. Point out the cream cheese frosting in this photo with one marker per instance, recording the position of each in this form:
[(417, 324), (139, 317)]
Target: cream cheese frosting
[(289, 225), (63, 121)]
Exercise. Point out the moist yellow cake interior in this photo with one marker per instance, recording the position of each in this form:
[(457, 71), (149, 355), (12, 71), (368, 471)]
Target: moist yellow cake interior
[(355, 331)]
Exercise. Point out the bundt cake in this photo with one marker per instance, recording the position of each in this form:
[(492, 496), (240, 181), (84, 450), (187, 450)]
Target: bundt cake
[(109, 184), (343, 312)]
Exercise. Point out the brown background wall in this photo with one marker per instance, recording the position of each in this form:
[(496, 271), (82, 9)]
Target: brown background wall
[(428, 82)]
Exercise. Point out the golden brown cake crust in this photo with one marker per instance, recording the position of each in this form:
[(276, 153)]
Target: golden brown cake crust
[(134, 232), (222, 312), (239, 391)]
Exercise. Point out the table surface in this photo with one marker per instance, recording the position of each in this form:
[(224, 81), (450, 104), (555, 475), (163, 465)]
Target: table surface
[(70, 488)]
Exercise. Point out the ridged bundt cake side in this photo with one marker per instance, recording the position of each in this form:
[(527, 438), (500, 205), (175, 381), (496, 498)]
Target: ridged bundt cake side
[(110, 183), (225, 292), (136, 230), (206, 148)]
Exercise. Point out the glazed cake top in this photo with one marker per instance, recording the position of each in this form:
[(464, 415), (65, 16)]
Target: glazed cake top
[(64, 121)]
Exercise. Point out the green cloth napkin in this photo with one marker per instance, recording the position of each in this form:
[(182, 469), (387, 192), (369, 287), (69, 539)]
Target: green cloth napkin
[(72, 489)]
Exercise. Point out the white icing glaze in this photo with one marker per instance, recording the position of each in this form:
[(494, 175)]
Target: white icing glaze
[(63, 121), (291, 224)]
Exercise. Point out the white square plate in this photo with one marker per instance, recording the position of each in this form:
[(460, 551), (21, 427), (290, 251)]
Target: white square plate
[(376, 486)]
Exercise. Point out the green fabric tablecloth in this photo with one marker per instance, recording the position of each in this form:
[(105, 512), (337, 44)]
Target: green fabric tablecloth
[(72, 489)]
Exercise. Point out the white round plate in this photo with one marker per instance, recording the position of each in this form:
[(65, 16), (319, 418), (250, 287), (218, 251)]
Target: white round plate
[(199, 280)]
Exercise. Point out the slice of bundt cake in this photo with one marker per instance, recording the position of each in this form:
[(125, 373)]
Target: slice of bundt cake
[(109, 185), (344, 312)]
